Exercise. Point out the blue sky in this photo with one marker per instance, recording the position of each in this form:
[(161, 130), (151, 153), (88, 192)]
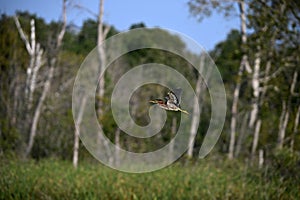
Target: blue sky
[(170, 14)]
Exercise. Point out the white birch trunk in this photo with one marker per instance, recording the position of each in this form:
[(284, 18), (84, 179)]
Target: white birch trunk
[(255, 138), (102, 32), (255, 88), (47, 85), (173, 133), (234, 111), (264, 80), (35, 63), (241, 138), (292, 90), (118, 146), (195, 119), (296, 129), (33, 80), (284, 117), (243, 65), (296, 121), (197, 110), (242, 10), (77, 131), (260, 158), (28, 90), (38, 110)]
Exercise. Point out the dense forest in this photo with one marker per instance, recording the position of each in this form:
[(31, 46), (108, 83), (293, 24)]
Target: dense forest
[(259, 65)]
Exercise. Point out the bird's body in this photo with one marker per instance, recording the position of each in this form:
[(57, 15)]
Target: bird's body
[(171, 102)]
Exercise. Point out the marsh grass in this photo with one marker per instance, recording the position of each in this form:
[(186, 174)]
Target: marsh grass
[(205, 179)]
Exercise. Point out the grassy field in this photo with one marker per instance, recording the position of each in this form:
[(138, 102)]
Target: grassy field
[(206, 179)]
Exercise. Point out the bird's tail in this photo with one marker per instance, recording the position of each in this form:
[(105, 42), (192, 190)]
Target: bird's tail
[(184, 111)]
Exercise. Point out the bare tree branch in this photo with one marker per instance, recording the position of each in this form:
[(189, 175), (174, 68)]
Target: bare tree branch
[(64, 25), (23, 36), (292, 90), (270, 77), (78, 6)]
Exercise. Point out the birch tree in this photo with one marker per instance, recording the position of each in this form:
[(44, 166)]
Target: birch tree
[(118, 146), (36, 60), (173, 133), (296, 128), (236, 94), (285, 113), (202, 8), (273, 38), (200, 90), (102, 33), (297, 115), (264, 40), (77, 130), (195, 117), (35, 63), (35, 53)]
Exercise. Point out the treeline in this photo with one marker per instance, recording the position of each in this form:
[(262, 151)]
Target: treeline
[(260, 69)]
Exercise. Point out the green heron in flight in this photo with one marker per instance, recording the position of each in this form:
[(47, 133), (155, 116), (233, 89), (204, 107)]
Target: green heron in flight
[(170, 102)]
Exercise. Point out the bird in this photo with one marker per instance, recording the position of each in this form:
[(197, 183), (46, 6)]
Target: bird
[(171, 101)]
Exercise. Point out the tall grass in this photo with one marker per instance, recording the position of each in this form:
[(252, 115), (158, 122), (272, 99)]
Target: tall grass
[(54, 179)]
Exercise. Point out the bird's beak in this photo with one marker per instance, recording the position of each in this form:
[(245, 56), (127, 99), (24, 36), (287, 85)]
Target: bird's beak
[(152, 101)]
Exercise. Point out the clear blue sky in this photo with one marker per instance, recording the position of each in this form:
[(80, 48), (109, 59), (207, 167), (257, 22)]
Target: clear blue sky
[(171, 14)]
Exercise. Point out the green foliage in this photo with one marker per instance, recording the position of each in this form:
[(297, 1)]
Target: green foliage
[(286, 164), (9, 138), (13, 62), (137, 25), (86, 40), (227, 56), (205, 8), (207, 179)]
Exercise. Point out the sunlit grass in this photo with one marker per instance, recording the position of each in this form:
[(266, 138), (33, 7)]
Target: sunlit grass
[(53, 179)]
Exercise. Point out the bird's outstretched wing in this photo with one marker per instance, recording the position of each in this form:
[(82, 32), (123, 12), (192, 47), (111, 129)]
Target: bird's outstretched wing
[(175, 96)]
